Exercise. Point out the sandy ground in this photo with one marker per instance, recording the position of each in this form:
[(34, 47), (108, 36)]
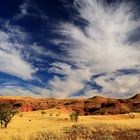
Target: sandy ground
[(32, 122)]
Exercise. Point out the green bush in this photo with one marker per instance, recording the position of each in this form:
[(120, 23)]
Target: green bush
[(7, 112), (74, 116), (6, 116)]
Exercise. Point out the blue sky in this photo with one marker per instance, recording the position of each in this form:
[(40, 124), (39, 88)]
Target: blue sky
[(69, 48)]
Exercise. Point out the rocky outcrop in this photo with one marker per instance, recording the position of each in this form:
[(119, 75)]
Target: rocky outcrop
[(98, 99), (136, 97), (26, 108), (94, 105)]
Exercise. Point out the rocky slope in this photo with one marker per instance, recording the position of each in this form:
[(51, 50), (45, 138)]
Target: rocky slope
[(94, 105)]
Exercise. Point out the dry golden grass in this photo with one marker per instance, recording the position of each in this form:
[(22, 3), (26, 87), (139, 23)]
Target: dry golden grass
[(32, 122)]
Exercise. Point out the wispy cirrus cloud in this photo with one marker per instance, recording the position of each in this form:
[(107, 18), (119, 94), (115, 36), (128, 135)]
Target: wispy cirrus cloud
[(28, 8), (102, 45), (12, 59), (117, 85), (93, 49), (14, 88), (104, 41), (72, 81)]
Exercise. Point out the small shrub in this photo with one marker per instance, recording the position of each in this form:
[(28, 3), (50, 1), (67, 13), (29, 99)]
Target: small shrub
[(74, 116), (58, 114), (20, 115), (43, 113), (50, 114)]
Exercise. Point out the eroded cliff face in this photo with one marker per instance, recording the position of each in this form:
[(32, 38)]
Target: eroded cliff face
[(94, 105)]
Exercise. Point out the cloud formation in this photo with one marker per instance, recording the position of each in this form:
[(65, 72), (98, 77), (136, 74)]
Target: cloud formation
[(27, 8), (87, 57), (71, 83), (12, 58), (119, 85), (103, 45)]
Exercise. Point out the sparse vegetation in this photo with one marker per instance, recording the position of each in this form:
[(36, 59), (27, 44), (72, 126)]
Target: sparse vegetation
[(54, 126), (58, 113), (43, 113), (51, 114), (82, 132), (32, 127), (20, 115), (74, 116), (45, 136), (6, 116)]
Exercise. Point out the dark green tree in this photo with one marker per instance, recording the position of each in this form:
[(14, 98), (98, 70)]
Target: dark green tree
[(74, 116), (6, 114)]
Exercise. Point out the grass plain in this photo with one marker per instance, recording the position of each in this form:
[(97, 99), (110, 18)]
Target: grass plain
[(27, 125)]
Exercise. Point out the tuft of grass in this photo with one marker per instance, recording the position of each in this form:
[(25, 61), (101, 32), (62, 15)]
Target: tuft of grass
[(16, 137), (44, 136), (86, 132)]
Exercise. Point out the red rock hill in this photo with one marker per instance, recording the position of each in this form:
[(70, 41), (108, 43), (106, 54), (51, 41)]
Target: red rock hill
[(87, 106)]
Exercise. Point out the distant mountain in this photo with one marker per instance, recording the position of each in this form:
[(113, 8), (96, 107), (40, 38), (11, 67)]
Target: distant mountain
[(99, 99), (136, 97), (86, 106)]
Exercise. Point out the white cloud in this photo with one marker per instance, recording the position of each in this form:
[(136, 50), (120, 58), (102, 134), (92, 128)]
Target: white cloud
[(25, 11), (12, 58), (15, 90), (119, 86), (40, 50), (72, 82), (103, 45)]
